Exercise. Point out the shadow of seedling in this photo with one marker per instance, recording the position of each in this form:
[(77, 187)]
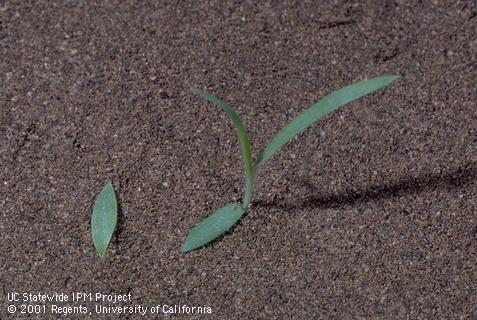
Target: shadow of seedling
[(458, 177)]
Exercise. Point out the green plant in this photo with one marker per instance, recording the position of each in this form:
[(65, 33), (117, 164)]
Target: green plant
[(222, 219), (104, 219)]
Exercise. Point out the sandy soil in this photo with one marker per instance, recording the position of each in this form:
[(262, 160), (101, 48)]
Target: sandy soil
[(369, 214)]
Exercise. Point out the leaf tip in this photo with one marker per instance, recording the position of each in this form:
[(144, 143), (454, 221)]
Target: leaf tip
[(196, 91), (391, 78), (186, 247)]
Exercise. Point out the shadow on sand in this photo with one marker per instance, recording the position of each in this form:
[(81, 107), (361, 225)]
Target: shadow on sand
[(464, 175)]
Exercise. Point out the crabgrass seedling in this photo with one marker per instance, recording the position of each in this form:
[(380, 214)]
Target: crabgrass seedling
[(222, 219), (104, 219)]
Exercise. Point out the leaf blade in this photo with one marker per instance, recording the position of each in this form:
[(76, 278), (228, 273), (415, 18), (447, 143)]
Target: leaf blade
[(104, 219), (213, 226), (239, 128), (319, 109)]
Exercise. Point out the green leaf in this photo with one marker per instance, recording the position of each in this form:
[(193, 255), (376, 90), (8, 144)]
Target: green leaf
[(242, 133), (213, 226), (104, 219), (320, 109)]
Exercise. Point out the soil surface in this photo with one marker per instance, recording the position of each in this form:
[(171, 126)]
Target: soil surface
[(369, 214)]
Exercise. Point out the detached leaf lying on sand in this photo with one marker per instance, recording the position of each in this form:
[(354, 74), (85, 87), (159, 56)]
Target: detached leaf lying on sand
[(104, 219), (224, 218)]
